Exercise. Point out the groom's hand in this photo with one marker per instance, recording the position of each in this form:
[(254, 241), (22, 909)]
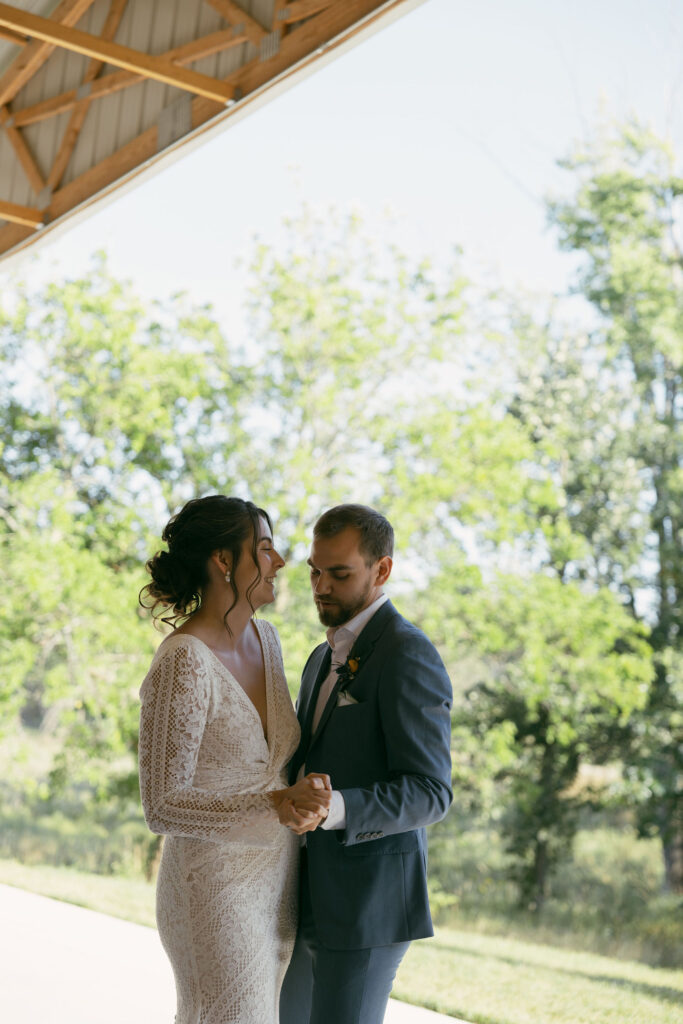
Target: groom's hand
[(319, 780), (312, 793), (306, 803)]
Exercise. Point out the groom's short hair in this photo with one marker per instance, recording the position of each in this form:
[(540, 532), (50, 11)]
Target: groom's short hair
[(376, 532)]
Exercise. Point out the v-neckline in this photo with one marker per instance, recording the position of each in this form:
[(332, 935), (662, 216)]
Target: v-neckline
[(267, 677)]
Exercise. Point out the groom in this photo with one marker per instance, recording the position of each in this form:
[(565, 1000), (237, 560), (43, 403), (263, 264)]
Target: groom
[(374, 709)]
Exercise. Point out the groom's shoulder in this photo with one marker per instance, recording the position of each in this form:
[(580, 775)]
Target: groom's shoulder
[(399, 629), (404, 643)]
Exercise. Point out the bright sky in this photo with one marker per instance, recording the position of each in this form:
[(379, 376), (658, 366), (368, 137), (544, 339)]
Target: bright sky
[(452, 119)]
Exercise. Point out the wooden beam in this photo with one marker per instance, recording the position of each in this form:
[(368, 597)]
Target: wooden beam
[(68, 100), (205, 46), (236, 15), (198, 48), (22, 152), (13, 37), (215, 42), (143, 64), (278, 25), (36, 52), (129, 158), (303, 44), (300, 9), (24, 215), (78, 116)]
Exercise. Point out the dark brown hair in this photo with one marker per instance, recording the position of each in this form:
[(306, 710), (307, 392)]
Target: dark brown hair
[(202, 526), (376, 532)]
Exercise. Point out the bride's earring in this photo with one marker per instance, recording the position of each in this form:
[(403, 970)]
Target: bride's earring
[(227, 576)]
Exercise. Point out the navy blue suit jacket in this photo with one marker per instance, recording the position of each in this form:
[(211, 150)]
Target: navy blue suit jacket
[(389, 754)]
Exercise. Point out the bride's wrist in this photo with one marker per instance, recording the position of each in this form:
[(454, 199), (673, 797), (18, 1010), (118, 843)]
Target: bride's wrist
[(276, 796)]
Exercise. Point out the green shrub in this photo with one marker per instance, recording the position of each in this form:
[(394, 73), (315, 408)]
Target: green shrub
[(103, 848), (605, 896)]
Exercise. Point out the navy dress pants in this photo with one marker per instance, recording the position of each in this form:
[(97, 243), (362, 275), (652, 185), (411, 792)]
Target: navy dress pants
[(335, 986)]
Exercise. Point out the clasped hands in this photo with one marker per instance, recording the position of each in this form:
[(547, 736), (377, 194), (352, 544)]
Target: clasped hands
[(303, 806)]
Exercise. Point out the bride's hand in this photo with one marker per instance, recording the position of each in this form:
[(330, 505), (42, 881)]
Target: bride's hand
[(298, 821), (303, 806), (312, 793)]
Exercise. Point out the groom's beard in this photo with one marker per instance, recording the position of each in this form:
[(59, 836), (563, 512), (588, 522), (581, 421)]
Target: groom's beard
[(336, 613)]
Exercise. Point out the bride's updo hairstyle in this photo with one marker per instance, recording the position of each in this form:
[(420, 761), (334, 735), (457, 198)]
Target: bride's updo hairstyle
[(202, 526)]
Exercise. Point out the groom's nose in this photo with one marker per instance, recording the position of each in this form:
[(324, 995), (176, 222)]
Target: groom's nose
[(322, 584)]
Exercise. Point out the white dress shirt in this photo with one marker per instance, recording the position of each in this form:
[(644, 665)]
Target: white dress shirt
[(341, 639)]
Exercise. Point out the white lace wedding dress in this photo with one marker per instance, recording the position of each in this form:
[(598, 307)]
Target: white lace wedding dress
[(226, 891)]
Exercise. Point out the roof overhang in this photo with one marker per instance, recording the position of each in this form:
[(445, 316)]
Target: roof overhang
[(94, 94)]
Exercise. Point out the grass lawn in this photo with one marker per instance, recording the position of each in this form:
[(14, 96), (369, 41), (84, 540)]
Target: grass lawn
[(491, 980), (129, 898), (484, 979)]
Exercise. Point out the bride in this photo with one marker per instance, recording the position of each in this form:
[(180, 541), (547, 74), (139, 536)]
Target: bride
[(217, 729)]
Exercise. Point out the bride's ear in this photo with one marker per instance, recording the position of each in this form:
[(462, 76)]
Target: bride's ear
[(222, 561)]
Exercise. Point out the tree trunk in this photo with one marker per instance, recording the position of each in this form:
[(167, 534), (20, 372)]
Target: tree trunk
[(672, 848), (540, 873)]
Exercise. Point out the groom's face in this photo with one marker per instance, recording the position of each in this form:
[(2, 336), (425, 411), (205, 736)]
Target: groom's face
[(342, 583)]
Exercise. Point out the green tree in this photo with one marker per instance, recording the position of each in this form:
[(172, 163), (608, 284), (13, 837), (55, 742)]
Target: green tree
[(623, 217), (110, 415), (566, 669), (547, 672), (369, 383)]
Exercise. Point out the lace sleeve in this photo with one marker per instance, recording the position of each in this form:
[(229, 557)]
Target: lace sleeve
[(175, 704)]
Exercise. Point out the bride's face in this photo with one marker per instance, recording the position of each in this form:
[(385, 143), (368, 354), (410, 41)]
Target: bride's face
[(268, 564)]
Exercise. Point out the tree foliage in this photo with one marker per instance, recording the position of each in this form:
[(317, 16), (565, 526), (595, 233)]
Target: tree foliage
[(624, 218)]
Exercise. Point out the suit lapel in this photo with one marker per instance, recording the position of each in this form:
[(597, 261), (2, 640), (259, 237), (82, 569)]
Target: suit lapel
[(317, 670), (361, 650)]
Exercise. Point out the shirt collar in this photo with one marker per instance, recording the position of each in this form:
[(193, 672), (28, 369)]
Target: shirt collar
[(340, 635)]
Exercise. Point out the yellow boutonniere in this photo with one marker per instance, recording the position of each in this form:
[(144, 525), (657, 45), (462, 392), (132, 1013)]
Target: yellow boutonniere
[(347, 672)]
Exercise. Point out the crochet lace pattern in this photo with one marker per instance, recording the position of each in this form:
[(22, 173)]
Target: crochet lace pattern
[(226, 891)]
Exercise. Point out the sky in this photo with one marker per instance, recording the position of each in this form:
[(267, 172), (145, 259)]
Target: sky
[(443, 129)]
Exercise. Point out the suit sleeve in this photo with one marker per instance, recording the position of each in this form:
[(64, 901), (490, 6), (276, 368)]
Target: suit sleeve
[(415, 701)]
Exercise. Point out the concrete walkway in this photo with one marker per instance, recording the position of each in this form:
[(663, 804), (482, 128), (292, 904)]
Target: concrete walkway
[(61, 964)]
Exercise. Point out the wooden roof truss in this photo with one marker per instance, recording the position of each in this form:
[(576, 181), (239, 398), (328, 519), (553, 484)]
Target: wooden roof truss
[(268, 40)]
